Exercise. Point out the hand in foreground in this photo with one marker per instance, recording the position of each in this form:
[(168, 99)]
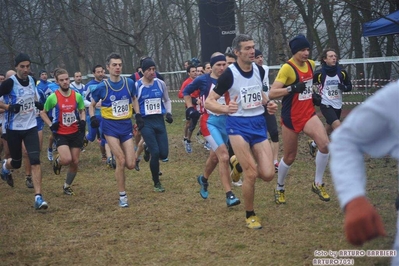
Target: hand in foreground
[(14, 108), (233, 106), (169, 118), (362, 222), (342, 87), (94, 123), (316, 99), (39, 106), (54, 126), (271, 107), (139, 121), (299, 87), (82, 125)]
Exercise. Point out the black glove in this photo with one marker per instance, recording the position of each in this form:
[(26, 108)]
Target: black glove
[(316, 99), (194, 101), (82, 125), (342, 87), (94, 123), (54, 126), (298, 88), (169, 118), (192, 113), (139, 121), (14, 108), (39, 105)]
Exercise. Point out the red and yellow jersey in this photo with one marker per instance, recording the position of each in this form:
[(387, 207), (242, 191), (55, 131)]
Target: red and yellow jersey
[(297, 108)]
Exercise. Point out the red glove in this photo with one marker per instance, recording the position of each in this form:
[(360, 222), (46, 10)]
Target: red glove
[(362, 222)]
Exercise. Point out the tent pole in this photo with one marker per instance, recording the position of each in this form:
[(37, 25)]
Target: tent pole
[(364, 64)]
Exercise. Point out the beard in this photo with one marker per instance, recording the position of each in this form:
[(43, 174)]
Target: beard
[(64, 89)]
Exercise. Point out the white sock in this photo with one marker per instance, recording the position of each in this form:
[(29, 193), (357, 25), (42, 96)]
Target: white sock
[(122, 194), (321, 164), (282, 174), (275, 161)]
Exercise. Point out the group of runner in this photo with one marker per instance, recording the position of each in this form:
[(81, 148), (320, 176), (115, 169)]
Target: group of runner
[(63, 106), (233, 99), (235, 108)]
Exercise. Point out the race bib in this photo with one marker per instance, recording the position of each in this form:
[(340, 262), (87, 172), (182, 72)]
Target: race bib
[(306, 94), (68, 118), (333, 92), (251, 97), (27, 106), (120, 108), (152, 106)]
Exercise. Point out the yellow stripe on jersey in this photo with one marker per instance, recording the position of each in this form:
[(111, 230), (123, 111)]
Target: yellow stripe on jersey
[(112, 114)]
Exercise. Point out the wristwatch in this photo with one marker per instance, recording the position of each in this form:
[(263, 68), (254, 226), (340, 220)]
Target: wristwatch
[(289, 89)]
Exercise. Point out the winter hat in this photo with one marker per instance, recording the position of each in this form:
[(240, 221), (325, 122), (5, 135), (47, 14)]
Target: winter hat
[(146, 64), (21, 58), (42, 71), (257, 53), (298, 43), (144, 58)]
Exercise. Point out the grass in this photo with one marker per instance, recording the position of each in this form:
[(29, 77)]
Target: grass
[(178, 227)]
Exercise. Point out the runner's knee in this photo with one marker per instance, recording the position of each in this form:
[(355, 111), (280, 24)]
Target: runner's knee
[(16, 164)]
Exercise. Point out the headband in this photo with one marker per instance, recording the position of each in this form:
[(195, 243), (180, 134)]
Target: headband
[(217, 59)]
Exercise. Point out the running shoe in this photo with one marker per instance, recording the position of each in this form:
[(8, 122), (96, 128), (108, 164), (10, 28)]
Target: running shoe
[(56, 165), (28, 181), (68, 191), (85, 141), (234, 174), (146, 153), (6, 174), (137, 166), (321, 191), (207, 146), (232, 201), (50, 154), (276, 167), (238, 183), (199, 137), (123, 202), (279, 196), (158, 187), (111, 162), (204, 186), (253, 222), (188, 147), (40, 204), (312, 150)]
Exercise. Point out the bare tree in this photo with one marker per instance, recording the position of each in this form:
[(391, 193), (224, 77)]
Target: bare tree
[(78, 34)]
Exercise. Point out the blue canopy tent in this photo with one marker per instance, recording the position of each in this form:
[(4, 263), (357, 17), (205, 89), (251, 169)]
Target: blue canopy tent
[(379, 27), (382, 26)]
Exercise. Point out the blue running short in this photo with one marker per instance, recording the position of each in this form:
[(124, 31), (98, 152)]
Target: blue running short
[(253, 128), (120, 129)]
